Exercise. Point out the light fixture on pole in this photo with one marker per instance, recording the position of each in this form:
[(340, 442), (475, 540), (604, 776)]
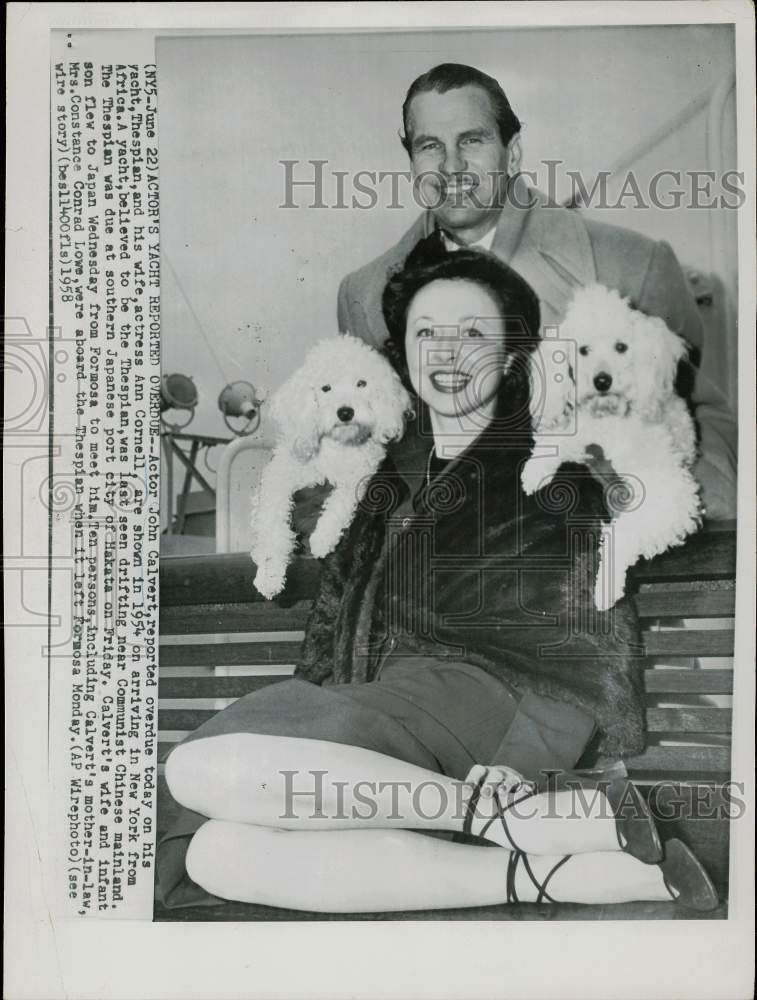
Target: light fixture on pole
[(240, 399), (177, 392)]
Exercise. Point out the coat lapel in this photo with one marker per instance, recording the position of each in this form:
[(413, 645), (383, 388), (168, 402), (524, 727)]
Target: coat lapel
[(548, 246)]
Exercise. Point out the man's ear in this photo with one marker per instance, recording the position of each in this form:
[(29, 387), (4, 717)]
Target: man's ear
[(515, 155)]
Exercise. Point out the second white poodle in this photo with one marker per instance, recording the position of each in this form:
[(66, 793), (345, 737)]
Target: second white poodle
[(335, 415), (607, 383)]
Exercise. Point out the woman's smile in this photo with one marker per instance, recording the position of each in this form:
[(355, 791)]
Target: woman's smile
[(449, 382)]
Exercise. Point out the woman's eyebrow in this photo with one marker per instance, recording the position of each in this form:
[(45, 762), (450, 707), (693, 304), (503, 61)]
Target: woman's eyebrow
[(423, 319)]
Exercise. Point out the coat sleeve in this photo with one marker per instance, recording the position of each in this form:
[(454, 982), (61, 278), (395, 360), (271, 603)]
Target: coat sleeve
[(316, 662), (665, 294)]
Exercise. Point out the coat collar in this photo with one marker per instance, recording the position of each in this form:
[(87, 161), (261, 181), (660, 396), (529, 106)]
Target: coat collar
[(546, 244), (495, 449)]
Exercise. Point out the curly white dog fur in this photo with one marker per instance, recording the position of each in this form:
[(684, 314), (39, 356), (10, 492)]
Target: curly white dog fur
[(335, 416), (608, 382)]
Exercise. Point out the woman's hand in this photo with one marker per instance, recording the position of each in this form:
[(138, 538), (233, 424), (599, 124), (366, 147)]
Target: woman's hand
[(497, 778)]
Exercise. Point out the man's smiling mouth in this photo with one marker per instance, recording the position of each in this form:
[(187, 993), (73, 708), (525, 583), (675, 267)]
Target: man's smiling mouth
[(449, 381), (460, 190)]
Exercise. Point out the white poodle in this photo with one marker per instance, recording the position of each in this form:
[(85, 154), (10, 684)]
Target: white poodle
[(335, 416), (607, 383)]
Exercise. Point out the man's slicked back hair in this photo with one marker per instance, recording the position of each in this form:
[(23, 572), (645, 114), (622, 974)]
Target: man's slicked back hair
[(452, 76)]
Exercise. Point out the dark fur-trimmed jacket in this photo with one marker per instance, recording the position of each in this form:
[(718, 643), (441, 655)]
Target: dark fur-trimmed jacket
[(469, 567)]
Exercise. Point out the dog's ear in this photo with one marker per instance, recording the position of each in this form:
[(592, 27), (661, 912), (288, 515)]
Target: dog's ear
[(390, 404), (293, 409), (552, 384), (656, 354)]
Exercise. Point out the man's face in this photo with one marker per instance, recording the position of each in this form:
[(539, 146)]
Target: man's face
[(458, 159)]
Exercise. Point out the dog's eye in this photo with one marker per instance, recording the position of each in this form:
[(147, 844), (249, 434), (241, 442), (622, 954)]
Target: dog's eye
[(361, 383), (583, 350), (620, 347), (325, 388)]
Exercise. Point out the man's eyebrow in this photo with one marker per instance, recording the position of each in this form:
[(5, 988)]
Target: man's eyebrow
[(473, 133), (481, 131), (418, 139)]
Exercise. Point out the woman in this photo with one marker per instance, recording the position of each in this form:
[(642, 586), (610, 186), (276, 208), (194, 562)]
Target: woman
[(452, 672)]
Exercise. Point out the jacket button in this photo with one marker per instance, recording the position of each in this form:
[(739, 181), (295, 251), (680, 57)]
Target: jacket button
[(406, 522)]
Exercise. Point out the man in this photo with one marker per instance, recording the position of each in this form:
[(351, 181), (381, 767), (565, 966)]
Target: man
[(463, 140)]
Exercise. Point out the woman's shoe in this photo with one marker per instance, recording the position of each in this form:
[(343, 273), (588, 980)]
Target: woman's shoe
[(635, 825), (685, 878)]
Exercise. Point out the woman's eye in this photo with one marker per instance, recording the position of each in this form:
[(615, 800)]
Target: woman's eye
[(472, 331), (361, 383), (620, 347), (325, 388), (583, 350), (425, 331)]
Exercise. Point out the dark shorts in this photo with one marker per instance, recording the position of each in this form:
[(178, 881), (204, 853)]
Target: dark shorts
[(442, 715)]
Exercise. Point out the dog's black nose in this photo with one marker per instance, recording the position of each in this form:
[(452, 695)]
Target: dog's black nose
[(602, 382), (345, 414)]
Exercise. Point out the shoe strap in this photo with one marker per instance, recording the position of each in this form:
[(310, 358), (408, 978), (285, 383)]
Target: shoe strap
[(500, 815), (543, 894), (470, 809), (512, 867)]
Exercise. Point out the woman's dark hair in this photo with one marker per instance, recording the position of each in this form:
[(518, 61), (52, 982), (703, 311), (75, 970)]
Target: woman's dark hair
[(518, 306), (451, 76)]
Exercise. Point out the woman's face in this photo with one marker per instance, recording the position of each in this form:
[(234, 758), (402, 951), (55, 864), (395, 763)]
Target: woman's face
[(455, 346)]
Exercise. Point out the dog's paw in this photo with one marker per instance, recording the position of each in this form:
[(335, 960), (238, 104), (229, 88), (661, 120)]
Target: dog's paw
[(534, 475), (607, 593), (323, 541), (269, 580)]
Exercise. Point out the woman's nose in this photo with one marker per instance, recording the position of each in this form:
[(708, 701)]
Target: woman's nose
[(444, 354)]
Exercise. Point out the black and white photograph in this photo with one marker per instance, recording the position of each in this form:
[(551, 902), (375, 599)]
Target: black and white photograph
[(493, 487), (379, 514)]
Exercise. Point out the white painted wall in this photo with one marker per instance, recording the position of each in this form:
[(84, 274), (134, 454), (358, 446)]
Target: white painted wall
[(247, 286)]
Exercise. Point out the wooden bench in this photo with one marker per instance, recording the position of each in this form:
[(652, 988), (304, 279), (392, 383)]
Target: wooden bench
[(219, 641)]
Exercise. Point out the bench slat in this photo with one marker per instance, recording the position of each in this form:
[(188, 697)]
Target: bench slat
[(689, 720), (228, 653), (672, 681), (214, 687), (192, 619), (657, 680), (659, 720), (708, 555), (184, 719), (705, 760), (686, 603), (224, 578), (688, 642)]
